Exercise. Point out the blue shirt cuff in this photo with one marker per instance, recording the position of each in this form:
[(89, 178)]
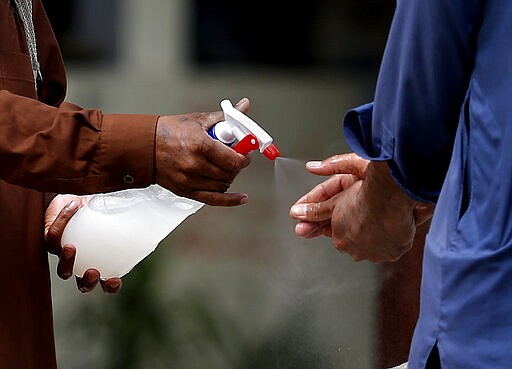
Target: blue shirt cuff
[(376, 146)]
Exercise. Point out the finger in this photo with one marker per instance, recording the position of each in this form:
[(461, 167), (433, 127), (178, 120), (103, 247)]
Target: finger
[(186, 185), (328, 188), (313, 229), (339, 164), (312, 212), (220, 156), (54, 231), (307, 229), (243, 105), (66, 262), (220, 199), (210, 119), (111, 285), (88, 281), (200, 183), (222, 171), (226, 158)]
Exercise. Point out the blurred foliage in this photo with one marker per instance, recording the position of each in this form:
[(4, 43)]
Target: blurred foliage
[(141, 327)]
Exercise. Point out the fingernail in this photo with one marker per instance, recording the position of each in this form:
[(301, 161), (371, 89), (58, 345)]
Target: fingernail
[(113, 286), (299, 210), (83, 289), (72, 205), (241, 102), (244, 200), (91, 278), (299, 230), (313, 164)]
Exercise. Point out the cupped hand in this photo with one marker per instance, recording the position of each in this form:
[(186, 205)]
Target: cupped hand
[(313, 210), (361, 208), (374, 219), (192, 164), (59, 212)]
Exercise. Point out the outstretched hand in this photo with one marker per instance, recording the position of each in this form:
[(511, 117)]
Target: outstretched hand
[(314, 209), (57, 215), (361, 208), (192, 164)]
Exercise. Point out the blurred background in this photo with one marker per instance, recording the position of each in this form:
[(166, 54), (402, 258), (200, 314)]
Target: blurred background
[(233, 288)]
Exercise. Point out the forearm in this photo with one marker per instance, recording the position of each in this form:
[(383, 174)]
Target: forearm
[(383, 192), (387, 197), (69, 149)]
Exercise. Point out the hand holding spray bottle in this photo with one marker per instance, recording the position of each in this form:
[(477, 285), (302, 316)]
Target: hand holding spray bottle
[(117, 230)]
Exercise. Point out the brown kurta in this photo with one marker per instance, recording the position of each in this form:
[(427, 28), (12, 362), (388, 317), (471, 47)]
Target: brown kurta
[(51, 146)]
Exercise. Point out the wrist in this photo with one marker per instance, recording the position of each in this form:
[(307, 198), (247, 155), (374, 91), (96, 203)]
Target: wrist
[(380, 184)]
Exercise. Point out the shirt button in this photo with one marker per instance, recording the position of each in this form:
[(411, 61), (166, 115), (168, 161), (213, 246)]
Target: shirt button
[(128, 179)]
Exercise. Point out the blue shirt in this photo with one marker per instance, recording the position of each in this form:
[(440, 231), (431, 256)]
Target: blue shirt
[(442, 118)]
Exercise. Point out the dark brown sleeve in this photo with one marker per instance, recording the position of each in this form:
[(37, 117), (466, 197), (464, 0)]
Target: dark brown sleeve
[(67, 149)]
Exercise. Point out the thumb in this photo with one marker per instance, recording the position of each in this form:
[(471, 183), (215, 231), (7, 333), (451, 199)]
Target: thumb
[(313, 212)]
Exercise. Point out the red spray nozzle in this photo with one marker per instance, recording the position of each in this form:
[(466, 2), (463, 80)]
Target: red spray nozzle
[(271, 152), (239, 127), (247, 144)]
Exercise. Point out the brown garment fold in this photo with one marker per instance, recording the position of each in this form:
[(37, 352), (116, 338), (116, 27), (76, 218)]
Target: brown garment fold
[(48, 145)]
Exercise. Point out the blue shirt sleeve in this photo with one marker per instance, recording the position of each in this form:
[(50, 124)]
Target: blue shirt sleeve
[(421, 86)]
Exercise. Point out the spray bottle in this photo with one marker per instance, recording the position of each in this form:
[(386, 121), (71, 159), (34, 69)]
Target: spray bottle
[(242, 133), (117, 230)]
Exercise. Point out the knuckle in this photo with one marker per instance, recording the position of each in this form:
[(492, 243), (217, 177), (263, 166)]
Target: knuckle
[(313, 210), (205, 146), (202, 118), (323, 190), (53, 234), (223, 187), (340, 246), (181, 190), (235, 166), (346, 247), (188, 165)]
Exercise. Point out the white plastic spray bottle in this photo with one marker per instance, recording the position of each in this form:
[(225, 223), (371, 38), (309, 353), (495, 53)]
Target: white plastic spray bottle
[(117, 230), (242, 133)]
